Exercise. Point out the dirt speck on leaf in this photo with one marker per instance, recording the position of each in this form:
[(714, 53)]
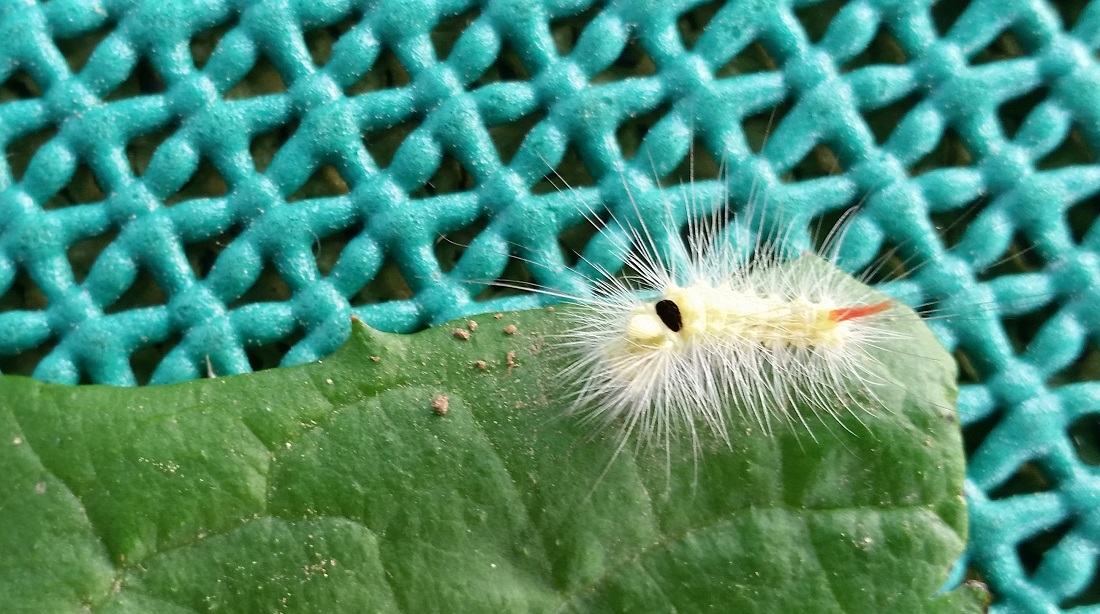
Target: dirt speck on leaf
[(440, 404)]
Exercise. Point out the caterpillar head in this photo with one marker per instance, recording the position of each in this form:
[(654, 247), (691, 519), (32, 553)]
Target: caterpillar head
[(668, 321)]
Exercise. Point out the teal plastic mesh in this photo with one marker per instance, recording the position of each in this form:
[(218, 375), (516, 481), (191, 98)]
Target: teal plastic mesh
[(197, 187)]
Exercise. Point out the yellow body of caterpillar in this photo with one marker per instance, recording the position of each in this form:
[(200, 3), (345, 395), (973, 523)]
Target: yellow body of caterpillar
[(699, 313)]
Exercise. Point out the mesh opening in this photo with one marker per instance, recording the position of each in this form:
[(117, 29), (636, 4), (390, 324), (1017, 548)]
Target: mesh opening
[(205, 182), (633, 61), (815, 17), (325, 182), (450, 246), (21, 150), (1090, 596), (142, 81), (83, 188), (884, 49), (1031, 550), (387, 285), (77, 50), (386, 72), (567, 177), (143, 291), (82, 254), (328, 250), (262, 80), (1073, 150), (1085, 431)]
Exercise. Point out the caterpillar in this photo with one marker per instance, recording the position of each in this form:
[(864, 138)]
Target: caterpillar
[(704, 324), (689, 334)]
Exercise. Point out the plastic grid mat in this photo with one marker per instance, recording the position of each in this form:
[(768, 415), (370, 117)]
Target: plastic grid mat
[(190, 187)]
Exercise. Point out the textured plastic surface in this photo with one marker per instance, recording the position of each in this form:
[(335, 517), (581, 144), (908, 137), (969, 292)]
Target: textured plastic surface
[(209, 248)]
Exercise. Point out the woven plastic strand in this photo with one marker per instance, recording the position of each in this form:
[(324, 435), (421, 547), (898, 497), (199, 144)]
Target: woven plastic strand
[(85, 325)]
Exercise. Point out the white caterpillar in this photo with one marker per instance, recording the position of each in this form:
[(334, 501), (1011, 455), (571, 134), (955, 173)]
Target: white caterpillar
[(693, 333), (696, 330)]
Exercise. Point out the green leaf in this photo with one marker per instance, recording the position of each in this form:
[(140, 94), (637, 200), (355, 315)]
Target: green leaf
[(336, 486)]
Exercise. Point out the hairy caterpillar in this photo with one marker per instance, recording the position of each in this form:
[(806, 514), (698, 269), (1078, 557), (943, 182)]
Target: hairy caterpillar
[(718, 333), (701, 323), (700, 237), (699, 330)]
